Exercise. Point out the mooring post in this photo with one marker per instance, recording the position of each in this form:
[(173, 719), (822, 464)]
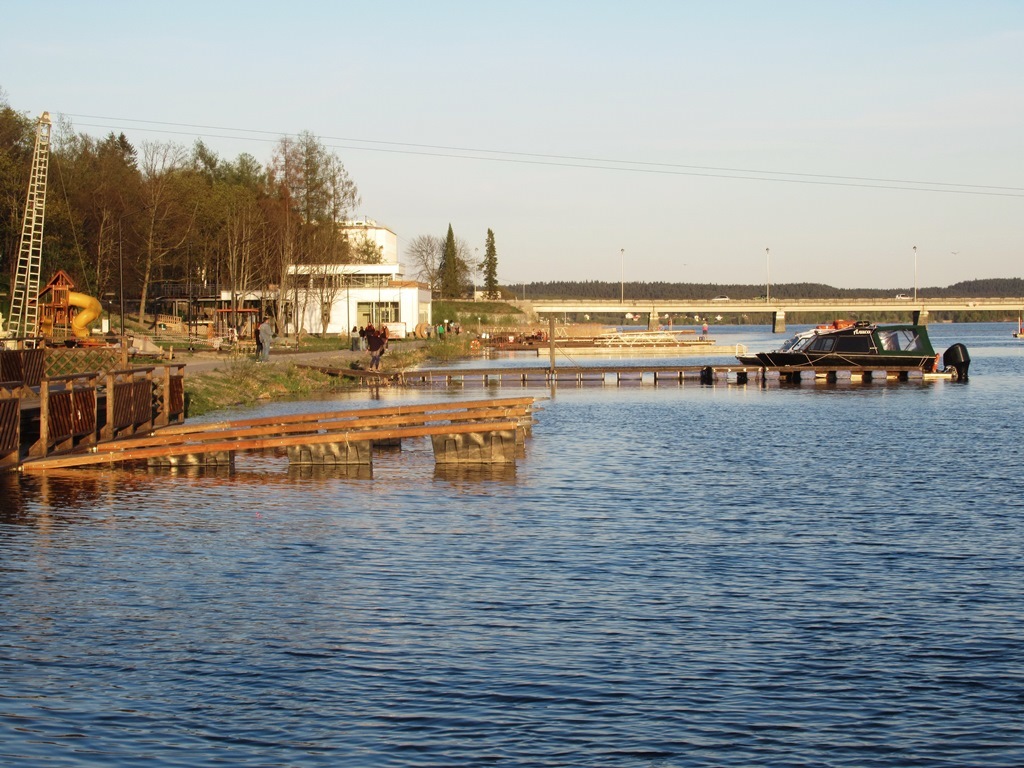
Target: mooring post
[(551, 341), (44, 418), (109, 430)]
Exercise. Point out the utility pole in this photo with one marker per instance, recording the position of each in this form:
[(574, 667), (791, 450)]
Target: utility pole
[(622, 275), (915, 273)]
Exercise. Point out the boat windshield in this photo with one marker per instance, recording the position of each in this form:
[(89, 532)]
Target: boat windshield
[(802, 342), (798, 342), (901, 340)]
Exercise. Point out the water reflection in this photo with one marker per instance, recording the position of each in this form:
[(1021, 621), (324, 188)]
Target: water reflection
[(324, 473), (460, 474), (193, 471), (695, 575)]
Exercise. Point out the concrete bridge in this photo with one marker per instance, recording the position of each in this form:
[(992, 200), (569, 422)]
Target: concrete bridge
[(919, 309)]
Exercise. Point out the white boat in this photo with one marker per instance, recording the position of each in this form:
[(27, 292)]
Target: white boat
[(631, 339)]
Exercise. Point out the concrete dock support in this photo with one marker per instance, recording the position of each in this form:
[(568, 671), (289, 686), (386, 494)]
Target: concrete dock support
[(213, 459), (330, 453), (497, 447)]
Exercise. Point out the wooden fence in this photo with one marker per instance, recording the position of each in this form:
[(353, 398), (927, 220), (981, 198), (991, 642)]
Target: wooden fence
[(80, 411)]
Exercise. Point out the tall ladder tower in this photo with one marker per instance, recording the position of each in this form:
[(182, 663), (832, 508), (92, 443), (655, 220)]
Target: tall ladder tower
[(24, 307)]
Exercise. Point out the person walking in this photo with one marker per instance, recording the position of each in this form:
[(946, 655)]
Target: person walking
[(266, 335), (704, 330)]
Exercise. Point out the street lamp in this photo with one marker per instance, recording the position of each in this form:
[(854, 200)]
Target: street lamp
[(767, 276), (348, 306), (622, 275), (915, 272)]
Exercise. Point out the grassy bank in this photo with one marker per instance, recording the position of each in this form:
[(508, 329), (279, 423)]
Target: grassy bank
[(247, 383)]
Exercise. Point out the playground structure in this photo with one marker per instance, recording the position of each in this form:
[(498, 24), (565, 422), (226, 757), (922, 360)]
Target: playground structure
[(89, 310), (64, 313)]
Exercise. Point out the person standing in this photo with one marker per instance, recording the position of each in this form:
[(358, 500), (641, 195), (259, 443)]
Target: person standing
[(704, 330), (266, 335), (375, 341)]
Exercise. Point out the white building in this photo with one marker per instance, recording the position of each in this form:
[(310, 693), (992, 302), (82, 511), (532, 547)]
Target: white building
[(356, 295), (368, 229)]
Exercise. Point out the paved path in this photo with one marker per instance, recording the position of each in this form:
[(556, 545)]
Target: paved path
[(201, 362)]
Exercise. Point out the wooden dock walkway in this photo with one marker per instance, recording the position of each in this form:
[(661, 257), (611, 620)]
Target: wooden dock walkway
[(477, 432), (623, 374)]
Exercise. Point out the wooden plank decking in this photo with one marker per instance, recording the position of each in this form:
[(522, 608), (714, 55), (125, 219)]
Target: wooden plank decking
[(620, 374), (447, 421)]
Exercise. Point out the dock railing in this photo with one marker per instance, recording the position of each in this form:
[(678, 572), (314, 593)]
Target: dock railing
[(10, 423), (67, 413)]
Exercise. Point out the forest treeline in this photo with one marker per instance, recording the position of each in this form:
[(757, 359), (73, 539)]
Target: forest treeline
[(655, 291), (122, 218), (120, 214), (138, 217)]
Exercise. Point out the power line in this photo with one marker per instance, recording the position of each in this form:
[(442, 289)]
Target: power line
[(560, 161)]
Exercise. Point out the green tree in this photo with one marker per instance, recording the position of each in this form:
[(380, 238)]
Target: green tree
[(365, 251), (101, 184), (490, 267), (17, 138), (450, 287)]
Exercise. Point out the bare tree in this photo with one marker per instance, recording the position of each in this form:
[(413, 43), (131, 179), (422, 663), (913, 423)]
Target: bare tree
[(244, 242), (466, 266), (168, 218), (315, 195), (424, 254)]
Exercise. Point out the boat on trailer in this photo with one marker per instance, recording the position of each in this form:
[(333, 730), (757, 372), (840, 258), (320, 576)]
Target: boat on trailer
[(861, 344)]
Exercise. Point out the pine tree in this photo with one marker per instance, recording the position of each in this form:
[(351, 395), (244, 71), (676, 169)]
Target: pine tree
[(490, 267), (449, 270)]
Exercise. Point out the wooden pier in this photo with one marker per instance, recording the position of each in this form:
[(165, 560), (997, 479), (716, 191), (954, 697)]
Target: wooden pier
[(470, 432), (620, 375)]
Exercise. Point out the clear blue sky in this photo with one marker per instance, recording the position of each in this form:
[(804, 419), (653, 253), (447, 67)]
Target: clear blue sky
[(710, 130)]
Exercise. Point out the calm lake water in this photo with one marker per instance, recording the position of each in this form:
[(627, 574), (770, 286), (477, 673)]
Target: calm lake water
[(821, 575)]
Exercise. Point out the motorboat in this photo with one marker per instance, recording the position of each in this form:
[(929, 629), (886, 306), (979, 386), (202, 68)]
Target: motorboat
[(863, 345)]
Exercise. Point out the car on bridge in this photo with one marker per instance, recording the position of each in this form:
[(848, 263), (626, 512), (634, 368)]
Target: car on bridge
[(720, 298), (902, 297)]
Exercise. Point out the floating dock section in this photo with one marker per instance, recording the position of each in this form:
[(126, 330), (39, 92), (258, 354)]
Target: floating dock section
[(470, 432), (620, 375)]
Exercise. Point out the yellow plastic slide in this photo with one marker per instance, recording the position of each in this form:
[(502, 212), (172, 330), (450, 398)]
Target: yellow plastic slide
[(88, 310)]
